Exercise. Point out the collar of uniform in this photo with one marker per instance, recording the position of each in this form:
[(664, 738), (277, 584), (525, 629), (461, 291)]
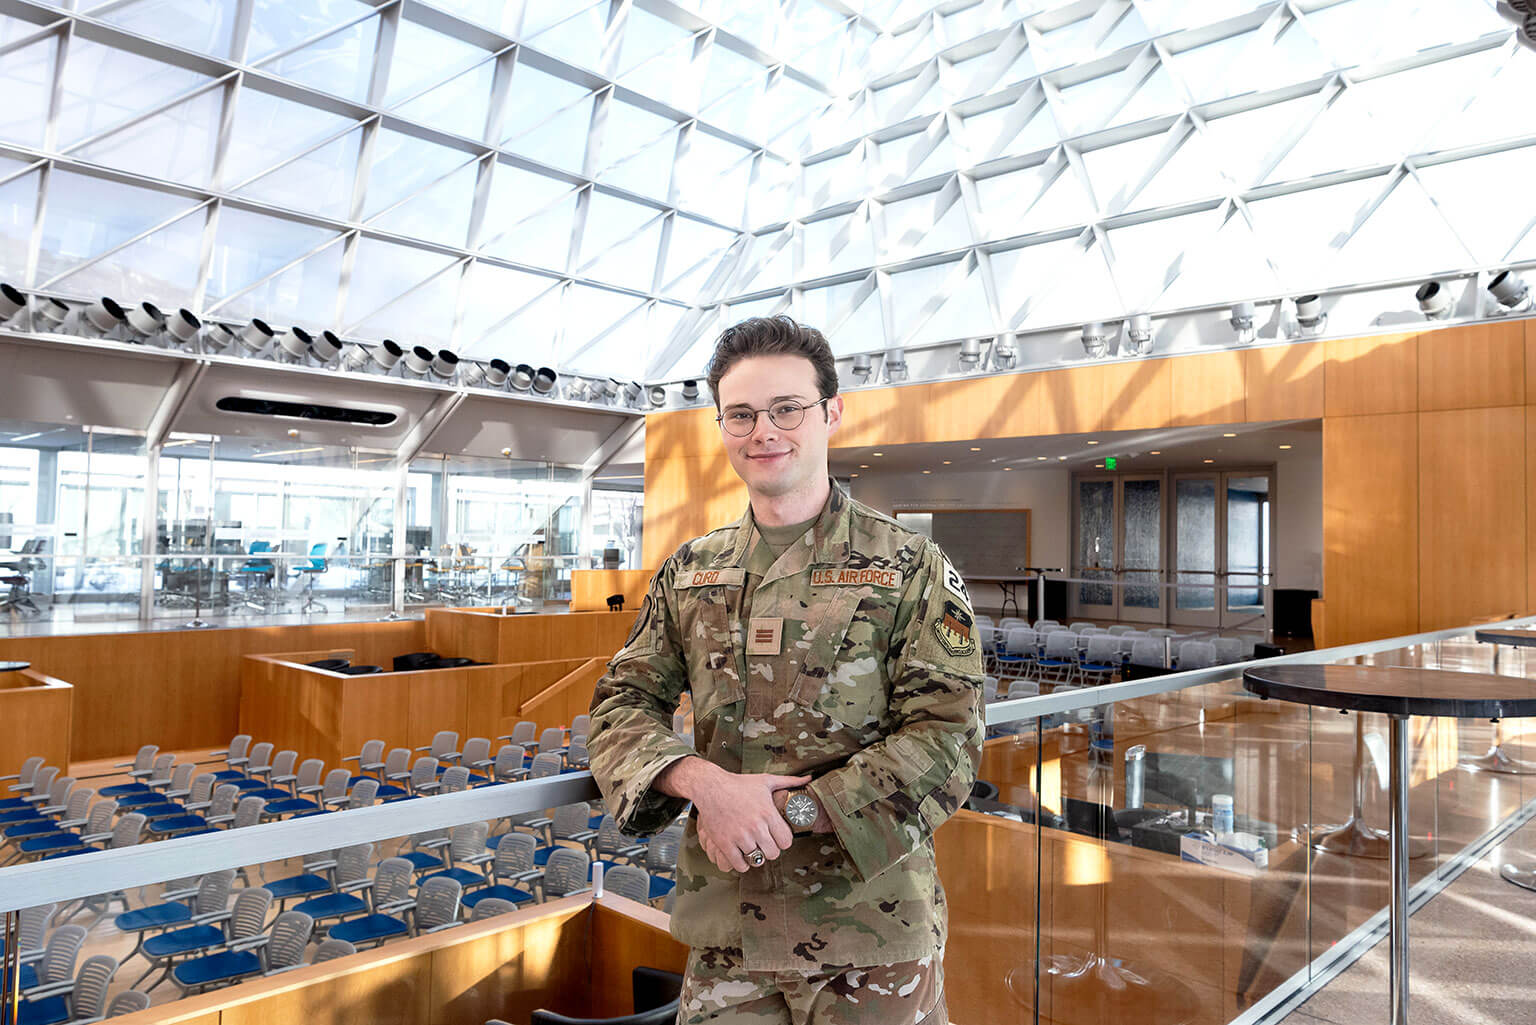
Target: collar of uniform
[(830, 538)]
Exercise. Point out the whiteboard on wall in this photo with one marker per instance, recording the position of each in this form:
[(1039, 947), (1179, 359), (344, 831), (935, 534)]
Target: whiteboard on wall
[(983, 542)]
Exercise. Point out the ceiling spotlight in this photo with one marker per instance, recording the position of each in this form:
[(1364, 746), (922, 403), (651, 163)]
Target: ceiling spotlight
[(444, 365), (295, 343), (144, 321), (496, 372), (522, 377), (325, 346), (1004, 354), (419, 360), (12, 302), (1242, 322), (1309, 313), (610, 389), (1095, 340), (99, 319), (52, 313), (576, 390), (690, 390), (632, 392), (182, 327), (386, 354), (255, 336), (1141, 334), (657, 395), (970, 352), (472, 374), (895, 365), (544, 380), (863, 366), (1434, 301), (1511, 291), (218, 337)]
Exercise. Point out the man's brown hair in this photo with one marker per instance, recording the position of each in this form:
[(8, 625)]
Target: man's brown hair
[(773, 336)]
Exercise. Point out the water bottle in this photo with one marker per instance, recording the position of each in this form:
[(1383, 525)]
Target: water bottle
[(1222, 821), (1135, 775)]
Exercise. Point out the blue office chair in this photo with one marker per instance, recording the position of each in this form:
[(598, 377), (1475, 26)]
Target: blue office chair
[(313, 568), (257, 575)]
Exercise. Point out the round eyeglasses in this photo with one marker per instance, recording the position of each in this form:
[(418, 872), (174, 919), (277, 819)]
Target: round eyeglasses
[(739, 422)]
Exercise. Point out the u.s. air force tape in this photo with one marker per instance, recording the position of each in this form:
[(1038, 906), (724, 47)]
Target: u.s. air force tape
[(847, 577)]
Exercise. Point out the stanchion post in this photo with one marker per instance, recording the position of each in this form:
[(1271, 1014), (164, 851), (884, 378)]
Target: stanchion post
[(10, 1006)]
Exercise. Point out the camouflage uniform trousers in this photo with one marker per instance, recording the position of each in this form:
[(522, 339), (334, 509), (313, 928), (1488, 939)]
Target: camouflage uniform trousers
[(717, 990)]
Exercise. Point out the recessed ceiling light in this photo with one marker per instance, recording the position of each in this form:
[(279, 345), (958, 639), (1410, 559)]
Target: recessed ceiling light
[(927, 471), (975, 449), (1093, 443), (1061, 459), (1229, 435), (863, 466), (1209, 460), (1154, 452), (1098, 466), (877, 453), (947, 462), (1285, 446), (1039, 459), (1007, 468), (853, 475)]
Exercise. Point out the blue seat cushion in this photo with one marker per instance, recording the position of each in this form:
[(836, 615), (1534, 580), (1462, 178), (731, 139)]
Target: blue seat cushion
[(178, 824), (28, 976), (36, 827), (160, 812), (123, 790), (44, 1012), (1099, 667), (297, 886), (463, 876), (541, 855), (156, 916), (227, 964), (24, 814), (139, 799), (389, 790), (183, 941), (500, 890), (226, 775), (48, 844), (368, 929), (423, 861), (15, 803), (332, 905), (246, 784), (269, 794), (661, 886), (291, 806)]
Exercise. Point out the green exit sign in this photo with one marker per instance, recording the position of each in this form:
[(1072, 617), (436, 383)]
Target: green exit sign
[(1109, 462)]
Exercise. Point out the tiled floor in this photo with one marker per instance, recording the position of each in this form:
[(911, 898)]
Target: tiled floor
[(1470, 955)]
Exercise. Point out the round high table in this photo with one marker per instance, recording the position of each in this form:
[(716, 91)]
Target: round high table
[(14, 667), (1496, 760), (1398, 693)]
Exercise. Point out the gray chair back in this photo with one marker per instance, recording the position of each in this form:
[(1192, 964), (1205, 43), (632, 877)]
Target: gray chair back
[(330, 950), (490, 907), (290, 937), (249, 916), (129, 1001), (566, 871), (213, 892), (630, 881), (437, 903), (59, 955), (89, 998)]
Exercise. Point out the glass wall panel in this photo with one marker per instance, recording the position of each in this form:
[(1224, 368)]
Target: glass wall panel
[(1195, 527)]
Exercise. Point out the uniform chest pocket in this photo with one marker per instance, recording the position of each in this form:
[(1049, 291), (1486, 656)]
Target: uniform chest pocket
[(843, 671), (712, 671)]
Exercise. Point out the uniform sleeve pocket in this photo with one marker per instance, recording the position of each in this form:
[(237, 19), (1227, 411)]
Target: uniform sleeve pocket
[(903, 763)]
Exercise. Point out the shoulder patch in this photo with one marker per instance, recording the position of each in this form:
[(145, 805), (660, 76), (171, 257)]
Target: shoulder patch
[(955, 585), (956, 630)]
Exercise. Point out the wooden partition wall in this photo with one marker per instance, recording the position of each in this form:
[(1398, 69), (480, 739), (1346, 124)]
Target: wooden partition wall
[(329, 715), (1429, 455), (486, 635), (590, 588), (572, 955), (180, 689), (35, 714)]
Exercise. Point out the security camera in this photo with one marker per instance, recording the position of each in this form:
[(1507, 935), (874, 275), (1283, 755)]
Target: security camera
[(1096, 340), (1434, 301)]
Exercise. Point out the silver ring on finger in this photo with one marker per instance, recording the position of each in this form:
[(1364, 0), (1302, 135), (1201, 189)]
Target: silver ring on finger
[(755, 857)]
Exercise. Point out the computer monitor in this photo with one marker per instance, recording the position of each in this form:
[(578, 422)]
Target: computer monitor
[(1185, 780)]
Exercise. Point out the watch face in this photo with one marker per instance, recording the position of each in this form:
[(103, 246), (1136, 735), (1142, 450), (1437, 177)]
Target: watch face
[(801, 810)]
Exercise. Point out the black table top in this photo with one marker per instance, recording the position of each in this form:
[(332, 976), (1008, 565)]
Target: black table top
[(1517, 638), (14, 667), (1396, 690)]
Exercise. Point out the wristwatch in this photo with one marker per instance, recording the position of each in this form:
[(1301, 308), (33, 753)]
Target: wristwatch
[(801, 810)]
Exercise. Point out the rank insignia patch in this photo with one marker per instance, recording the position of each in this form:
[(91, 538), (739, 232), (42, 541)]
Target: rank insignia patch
[(956, 630)]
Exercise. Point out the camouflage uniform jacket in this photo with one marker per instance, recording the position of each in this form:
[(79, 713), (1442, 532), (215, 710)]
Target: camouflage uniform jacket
[(875, 690)]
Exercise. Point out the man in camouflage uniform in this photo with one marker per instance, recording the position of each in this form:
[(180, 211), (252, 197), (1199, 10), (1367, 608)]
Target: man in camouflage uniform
[(830, 655)]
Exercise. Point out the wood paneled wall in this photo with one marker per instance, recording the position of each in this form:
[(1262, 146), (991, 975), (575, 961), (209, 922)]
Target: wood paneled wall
[(180, 689), (572, 955), (590, 588), (566, 698), (1429, 484), (329, 715), (35, 713), (487, 636)]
